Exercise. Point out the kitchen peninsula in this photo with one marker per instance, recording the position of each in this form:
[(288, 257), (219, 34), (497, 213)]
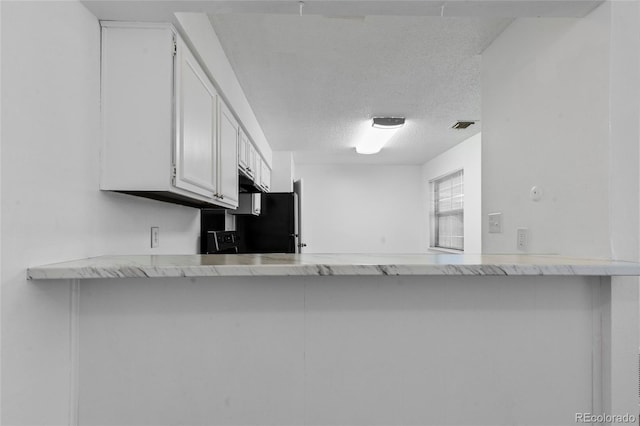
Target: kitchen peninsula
[(350, 339), (158, 266)]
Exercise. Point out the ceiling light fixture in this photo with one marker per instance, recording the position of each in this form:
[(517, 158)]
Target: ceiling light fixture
[(378, 134)]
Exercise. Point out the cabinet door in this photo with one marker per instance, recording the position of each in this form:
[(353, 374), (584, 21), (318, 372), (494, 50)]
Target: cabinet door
[(265, 175), (197, 100), (252, 166), (228, 160), (138, 83), (243, 152)]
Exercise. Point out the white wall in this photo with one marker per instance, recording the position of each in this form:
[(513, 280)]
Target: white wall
[(624, 137), (624, 189), (52, 209), (560, 109), (0, 214), (351, 208), (467, 156), (545, 122), (283, 172)]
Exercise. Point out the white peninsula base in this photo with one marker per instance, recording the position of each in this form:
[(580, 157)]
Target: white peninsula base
[(357, 349)]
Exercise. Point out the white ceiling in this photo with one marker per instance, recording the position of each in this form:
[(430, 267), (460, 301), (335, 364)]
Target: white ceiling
[(314, 80)]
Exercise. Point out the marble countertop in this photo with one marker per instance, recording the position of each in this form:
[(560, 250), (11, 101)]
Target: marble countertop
[(153, 266)]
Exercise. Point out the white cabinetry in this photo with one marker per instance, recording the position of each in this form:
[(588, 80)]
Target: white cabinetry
[(166, 134), (252, 161), (248, 157), (197, 105), (265, 176), (250, 204), (255, 171), (227, 188), (243, 151)]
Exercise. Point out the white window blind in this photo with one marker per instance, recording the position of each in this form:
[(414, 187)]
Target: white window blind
[(447, 211)]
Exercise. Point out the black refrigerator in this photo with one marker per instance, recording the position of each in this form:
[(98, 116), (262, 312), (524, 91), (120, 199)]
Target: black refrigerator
[(275, 230)]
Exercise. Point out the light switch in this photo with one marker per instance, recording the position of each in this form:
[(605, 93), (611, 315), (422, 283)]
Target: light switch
[(523, 238), (155, 237), (495, 223)]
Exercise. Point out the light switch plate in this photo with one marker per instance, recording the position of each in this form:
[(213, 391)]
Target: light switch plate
[(155, 236), (495, 223), (523, 238)]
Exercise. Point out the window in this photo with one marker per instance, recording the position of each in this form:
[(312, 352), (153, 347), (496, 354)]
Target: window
[(447, 211)]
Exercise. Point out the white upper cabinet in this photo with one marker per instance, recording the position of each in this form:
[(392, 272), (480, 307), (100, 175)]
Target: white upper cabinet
[(262, 178), (163, 133), (243, 151), (265, 176), (197, 104), (251, 164), (227, 188), (252, 161)]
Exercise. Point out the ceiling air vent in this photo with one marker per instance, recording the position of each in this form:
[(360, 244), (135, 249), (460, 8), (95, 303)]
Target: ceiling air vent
[(462, 124)]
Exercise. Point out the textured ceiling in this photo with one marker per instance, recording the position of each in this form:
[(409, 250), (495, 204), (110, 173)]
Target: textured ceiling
[(314, 81)]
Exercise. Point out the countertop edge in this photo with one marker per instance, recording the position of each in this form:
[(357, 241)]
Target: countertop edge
[(115, 267)]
